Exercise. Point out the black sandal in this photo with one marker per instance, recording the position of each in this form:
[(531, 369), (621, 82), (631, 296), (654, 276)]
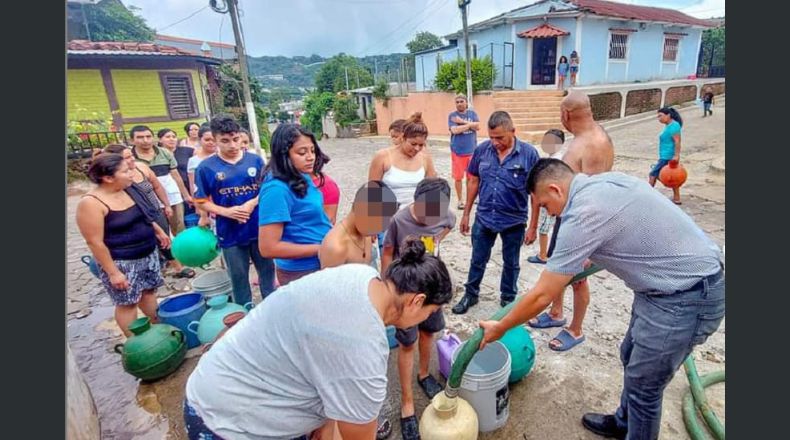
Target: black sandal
[(430, 386), (409, 428), (185, 273)]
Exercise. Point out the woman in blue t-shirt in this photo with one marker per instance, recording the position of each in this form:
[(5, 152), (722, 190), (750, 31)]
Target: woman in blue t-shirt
[(668, 145), (291, 213)]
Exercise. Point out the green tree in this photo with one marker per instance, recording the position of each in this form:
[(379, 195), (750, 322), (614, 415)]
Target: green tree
[(232, 94), (423, 41), (345, 109), (452, 75), (712, 48), (331, 77), (110, 20), (316, 105)]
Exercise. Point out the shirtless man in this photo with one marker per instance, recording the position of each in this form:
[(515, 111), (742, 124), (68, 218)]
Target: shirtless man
[(349, 241), (590, 152)]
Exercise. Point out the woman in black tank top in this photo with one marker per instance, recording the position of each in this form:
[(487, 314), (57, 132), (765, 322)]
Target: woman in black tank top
[(145, 182), (123, 239)]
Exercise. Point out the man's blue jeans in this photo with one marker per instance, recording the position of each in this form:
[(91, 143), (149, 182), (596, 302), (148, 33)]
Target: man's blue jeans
[(237, 258), (663, 331), (482, 241)]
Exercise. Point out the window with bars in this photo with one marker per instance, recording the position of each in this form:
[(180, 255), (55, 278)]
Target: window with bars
[(179, 95), (618, 47), (671, 49)]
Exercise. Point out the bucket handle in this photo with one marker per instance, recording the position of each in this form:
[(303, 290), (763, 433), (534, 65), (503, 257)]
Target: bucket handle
[(193, 324), (249, 305), (86, 259), (118, 348), (180, 335)]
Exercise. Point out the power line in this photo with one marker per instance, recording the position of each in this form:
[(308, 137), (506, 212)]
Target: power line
[(394, 31), (418, 24), (183, 19), (398, 28)]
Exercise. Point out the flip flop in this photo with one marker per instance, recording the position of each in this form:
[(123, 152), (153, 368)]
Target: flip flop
[(536, 259), (567, 340), (546, 321), (430, 386), (677, 202), (409, 428), (384, 429), (185, 273)]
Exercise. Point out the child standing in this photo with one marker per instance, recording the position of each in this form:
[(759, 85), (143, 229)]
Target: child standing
[(562, 72), (428, 219), (553, 144), (574, 65), (707, 101)]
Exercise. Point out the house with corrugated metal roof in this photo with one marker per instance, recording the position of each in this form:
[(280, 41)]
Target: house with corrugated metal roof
[(138, 83), (615, 42), (212, 49)]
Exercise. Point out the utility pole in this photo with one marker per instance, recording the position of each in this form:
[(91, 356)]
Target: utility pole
[(357, 78), (245, 81), (376, 69), (346, 68), (464, 5)]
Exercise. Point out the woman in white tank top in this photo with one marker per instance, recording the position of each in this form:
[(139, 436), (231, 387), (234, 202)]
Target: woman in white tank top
[(403, 165)]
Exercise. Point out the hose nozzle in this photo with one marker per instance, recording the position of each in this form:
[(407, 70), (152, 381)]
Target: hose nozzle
[(450, 392)]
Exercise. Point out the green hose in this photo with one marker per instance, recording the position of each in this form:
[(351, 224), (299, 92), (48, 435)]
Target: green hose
[(695, 399), (469, 349)]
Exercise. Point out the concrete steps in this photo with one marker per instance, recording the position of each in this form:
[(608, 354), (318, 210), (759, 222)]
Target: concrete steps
[(537, 127), (529, 93), (533, 112)]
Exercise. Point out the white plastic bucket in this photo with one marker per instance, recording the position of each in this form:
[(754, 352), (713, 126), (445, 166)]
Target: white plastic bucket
[(485, 385), (213, 283)]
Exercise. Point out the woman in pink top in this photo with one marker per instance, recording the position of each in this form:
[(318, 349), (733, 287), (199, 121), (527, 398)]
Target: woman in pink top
[(328, 188)]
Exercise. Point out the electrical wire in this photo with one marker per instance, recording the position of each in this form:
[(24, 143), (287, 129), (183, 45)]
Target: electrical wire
[(183, 19), (415, 27), (389, 35)]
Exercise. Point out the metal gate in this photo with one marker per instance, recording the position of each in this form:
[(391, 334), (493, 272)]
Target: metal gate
[(502, 57)]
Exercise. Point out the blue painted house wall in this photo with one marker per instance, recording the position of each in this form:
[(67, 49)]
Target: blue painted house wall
[(644, 55)]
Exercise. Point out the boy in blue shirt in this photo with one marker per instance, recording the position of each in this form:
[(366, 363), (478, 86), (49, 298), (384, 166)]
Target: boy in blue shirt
[(227, 186)]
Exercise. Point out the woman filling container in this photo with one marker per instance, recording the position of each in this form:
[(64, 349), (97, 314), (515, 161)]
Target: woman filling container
[(315, 353), (291, 214)]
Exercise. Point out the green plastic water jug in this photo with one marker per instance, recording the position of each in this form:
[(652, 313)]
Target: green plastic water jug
[(522, 352), (153, 351), (195, 246)]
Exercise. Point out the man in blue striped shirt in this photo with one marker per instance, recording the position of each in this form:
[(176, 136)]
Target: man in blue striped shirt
[(623, 225)]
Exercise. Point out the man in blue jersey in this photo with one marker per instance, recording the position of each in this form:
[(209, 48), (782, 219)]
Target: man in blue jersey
[(463, 124), (227, 186)]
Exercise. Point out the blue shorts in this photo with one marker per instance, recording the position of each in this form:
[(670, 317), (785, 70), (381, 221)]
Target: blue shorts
[(432, 324), (657, 168), (574, 69)]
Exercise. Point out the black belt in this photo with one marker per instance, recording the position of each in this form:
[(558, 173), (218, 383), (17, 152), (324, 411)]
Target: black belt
[(711, 279)]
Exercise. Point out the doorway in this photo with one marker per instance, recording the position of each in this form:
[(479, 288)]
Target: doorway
[(544, 61)]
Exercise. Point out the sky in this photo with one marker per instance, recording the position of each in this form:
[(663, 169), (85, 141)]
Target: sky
[(356, 27)]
